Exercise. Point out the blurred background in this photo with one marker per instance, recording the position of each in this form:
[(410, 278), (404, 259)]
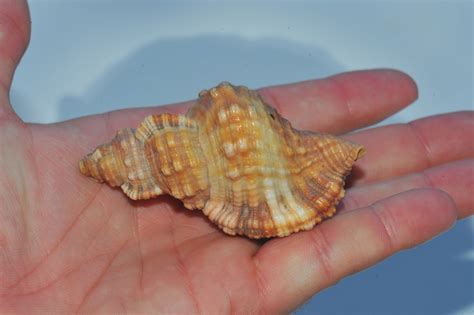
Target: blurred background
[(92, 56)]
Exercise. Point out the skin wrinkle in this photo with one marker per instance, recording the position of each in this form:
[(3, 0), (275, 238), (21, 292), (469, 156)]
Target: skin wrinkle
[(215, 236), (349, 112), (66, 273), (427, 179), (230, 308), (181, 265), (322, 255), (376, 209), (102, 226), (261, 284), (421, 138), (96, 283), (136, 233), (63, 275), (57, 245), (32, 148)]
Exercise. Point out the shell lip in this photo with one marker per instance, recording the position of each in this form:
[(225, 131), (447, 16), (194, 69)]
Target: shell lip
[(359, 153), (83, 168)]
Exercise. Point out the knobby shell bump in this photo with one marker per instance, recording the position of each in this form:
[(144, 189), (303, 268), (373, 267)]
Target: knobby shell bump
[(234, 157)]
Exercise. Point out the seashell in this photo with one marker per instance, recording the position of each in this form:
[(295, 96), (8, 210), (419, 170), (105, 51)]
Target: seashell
[(235, 158)]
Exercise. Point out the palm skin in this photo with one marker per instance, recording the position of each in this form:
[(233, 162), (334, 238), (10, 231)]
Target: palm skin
[(100, 251), (68, 244)]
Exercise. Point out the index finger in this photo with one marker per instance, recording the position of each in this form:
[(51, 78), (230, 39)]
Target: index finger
[(336, 104)]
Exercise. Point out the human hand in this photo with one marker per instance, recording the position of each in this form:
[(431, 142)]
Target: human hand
[(68, 244)]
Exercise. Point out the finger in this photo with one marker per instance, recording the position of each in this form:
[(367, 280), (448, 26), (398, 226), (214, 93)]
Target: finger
[(336, 104), (14, 38), (292, 269), (343, 102), (455, 178), (396, 150)]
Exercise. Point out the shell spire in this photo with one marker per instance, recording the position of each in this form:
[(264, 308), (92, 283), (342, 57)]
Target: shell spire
[(233, 156)]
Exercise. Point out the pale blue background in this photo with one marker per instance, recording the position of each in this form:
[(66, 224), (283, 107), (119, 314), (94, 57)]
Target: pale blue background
[(92, 56)]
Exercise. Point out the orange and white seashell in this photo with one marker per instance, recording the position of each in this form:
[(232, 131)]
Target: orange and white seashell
[(233, 156)]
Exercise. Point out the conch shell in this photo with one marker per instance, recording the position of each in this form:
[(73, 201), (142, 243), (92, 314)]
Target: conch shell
[(233, 156)]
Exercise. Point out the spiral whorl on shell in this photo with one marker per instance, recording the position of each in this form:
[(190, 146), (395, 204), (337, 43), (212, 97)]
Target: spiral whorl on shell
[(233, 156)]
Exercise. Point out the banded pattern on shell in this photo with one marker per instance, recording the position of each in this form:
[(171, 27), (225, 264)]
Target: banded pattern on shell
[(235, 158)]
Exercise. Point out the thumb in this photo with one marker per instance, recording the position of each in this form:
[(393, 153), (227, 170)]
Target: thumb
[(14, 37)]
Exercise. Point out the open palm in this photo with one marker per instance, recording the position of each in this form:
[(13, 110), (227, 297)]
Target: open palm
[(68, 244)]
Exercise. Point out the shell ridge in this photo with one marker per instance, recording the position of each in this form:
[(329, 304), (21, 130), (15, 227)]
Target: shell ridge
[(136, 193), (153, 123), (175, 156)]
